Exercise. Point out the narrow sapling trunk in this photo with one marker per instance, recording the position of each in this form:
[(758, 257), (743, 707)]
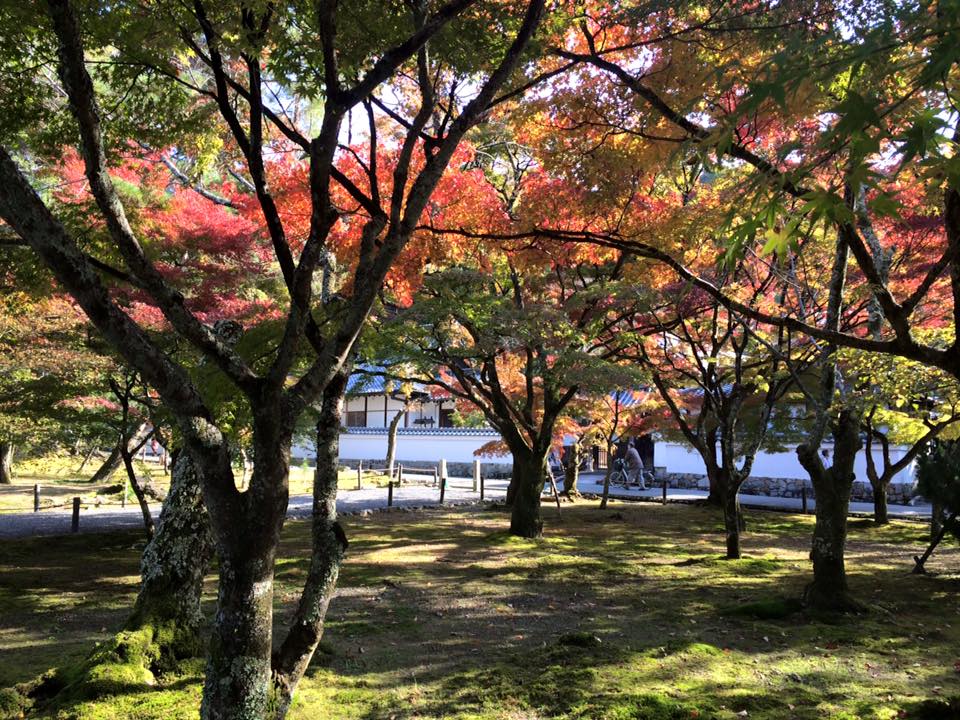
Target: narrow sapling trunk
[(571, 472), (6, 462), (529, 475), (606, 477), (138, 491), (329, 545), (391, 439)]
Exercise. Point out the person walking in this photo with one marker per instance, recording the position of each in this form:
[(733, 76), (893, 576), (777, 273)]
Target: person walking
[(633, 466)]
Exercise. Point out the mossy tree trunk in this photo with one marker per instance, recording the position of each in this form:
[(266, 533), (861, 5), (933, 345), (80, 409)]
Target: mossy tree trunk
[(166, 621), (6, 462), (329, 545), (246, 528), (829, 590), (176, 560)]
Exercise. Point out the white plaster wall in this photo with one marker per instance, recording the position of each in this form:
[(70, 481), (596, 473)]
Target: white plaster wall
[(680, 458), (418, 410), (415, 447), (427, 448)]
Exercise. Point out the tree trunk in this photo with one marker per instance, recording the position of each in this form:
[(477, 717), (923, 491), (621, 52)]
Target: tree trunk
[(175, 561), (109, 467), (138, 491), (880, 515), (530, 474), (732, 518), (329, 545), (6, 462), (938, 516), (571, 472), (238, 674), (86, 458), (391, 439), (829, 591), (606, 477), (238, 666), (511, 495)]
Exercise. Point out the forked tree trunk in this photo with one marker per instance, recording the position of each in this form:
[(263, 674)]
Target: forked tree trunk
[(138, 491), (6, 462), (529, 475), (176, 560), (829, 591), (329, 545)]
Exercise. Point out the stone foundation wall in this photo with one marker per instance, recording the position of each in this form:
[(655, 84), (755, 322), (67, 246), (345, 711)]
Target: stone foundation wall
[(897, 493)]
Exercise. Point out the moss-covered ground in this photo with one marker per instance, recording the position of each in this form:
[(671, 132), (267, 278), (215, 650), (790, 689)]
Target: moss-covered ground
[(620, 614)]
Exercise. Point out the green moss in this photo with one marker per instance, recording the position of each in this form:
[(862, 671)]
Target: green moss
[(579, 639), (768, 608), (441, 614), (12, 703)]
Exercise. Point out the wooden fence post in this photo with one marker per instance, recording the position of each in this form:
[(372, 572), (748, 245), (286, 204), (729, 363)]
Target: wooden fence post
[(75, 524), (400, 474), (443, 469), (359, 475), (476, 474), (36, 498), (481, 486), (664, 491), (443, 488), (390, 493), (803, 499)]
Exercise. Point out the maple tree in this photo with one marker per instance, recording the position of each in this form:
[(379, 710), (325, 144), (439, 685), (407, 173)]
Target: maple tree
[(723, 381), (513, 334), (211, 60), (837, 124)]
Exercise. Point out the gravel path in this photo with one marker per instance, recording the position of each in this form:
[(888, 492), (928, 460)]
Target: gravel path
[(593, 483), (57, 522), (92, 519)]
